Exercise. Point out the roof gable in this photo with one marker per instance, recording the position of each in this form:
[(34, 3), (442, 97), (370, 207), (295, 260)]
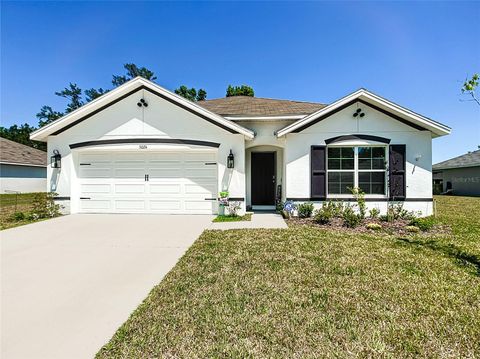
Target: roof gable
[(125, 90), (378, 103)]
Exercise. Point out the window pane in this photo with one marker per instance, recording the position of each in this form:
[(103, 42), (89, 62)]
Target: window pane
[(346, 182), (364, 152), (333, 152), (378, 152), (364, 164), (338, 182), (347, 164), (378, 164), (347, 152), (334, 188), (333, 164), (372, 182)]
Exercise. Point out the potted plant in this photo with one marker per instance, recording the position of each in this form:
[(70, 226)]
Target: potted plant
[(222, 203)]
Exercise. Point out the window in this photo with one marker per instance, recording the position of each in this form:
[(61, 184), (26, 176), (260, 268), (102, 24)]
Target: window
[(363, 167)]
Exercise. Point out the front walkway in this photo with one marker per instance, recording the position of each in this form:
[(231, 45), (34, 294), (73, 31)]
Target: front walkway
[(68, 283), (259, 220)]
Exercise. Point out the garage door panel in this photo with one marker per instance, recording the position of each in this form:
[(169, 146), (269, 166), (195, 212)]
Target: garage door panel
[(94, 172), (129, 188), (165, 188), (95, 188), (138, 173), (165, 173), (177, 182), (130, 204), (95, 204), (166, 205)]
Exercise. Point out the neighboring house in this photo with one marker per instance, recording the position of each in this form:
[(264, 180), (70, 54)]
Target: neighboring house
[(143, 149), (22, 168), (458, 176)]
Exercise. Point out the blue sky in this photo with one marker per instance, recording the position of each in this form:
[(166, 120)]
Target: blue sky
[(415, 54)]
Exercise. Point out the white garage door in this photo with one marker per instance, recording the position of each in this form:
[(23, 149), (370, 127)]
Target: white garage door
[(148, 182)]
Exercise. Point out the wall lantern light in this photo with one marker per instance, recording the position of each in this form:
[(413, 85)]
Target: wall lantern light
[(230, 160), (56, 159)]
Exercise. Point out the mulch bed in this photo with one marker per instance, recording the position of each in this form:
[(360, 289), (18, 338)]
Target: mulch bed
[(397, 227)]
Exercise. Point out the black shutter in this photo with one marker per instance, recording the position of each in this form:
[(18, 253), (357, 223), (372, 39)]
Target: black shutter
[(318, 172), (397, 172)]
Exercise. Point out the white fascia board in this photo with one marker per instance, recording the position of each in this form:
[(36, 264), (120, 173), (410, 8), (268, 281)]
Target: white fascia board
[(21, 164), (137, 83), (435, 127)]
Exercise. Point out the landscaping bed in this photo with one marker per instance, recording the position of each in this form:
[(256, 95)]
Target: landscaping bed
[(401, 227)]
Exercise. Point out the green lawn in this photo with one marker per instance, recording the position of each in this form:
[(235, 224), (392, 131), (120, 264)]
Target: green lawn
[(246, 217), (11, 203), (310, 292)]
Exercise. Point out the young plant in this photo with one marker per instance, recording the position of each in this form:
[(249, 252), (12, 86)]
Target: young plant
[(374, 213), (305, 210), (359, 196), (424, 224), (350, 218)]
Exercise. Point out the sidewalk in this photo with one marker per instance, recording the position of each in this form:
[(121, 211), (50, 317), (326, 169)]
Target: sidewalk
[(259, 220)]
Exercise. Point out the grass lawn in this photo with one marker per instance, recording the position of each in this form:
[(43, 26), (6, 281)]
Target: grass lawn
[(11, 203), (310, 292), (246, 217)]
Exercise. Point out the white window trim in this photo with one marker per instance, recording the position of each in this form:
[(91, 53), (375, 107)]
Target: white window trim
[(356, 170)]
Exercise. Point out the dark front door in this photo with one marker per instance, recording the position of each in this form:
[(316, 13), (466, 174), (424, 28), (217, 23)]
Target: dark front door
[(263, 178)]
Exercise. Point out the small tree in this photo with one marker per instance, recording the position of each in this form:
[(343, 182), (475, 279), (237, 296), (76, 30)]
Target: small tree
[(243, 90), (191, 94), (470, 86)]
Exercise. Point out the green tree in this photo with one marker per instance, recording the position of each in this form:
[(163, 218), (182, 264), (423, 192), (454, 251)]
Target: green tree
[(47, 115), (74, 94), (470, 86), (243, 90), (21, 134), (191, 94), (93, 93), (132, 72)]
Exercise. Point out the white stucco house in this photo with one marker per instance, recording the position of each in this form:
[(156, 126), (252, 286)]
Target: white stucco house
[(143, 149)]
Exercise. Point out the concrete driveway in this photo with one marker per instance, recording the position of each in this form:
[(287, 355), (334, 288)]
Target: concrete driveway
[(68, 283)]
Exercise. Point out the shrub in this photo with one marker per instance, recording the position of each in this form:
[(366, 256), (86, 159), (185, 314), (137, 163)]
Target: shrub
[(350, 218), (43, 206), (360, 198), (396, 211), (305, 210), (424, 224), (374, 213), (323, 215), (335, 208), (19, 216), (374, 226), (412, 229)]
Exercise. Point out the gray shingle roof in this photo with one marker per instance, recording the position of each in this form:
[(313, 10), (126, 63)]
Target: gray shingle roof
[(471, 159), (14, 152), (257, 106)]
